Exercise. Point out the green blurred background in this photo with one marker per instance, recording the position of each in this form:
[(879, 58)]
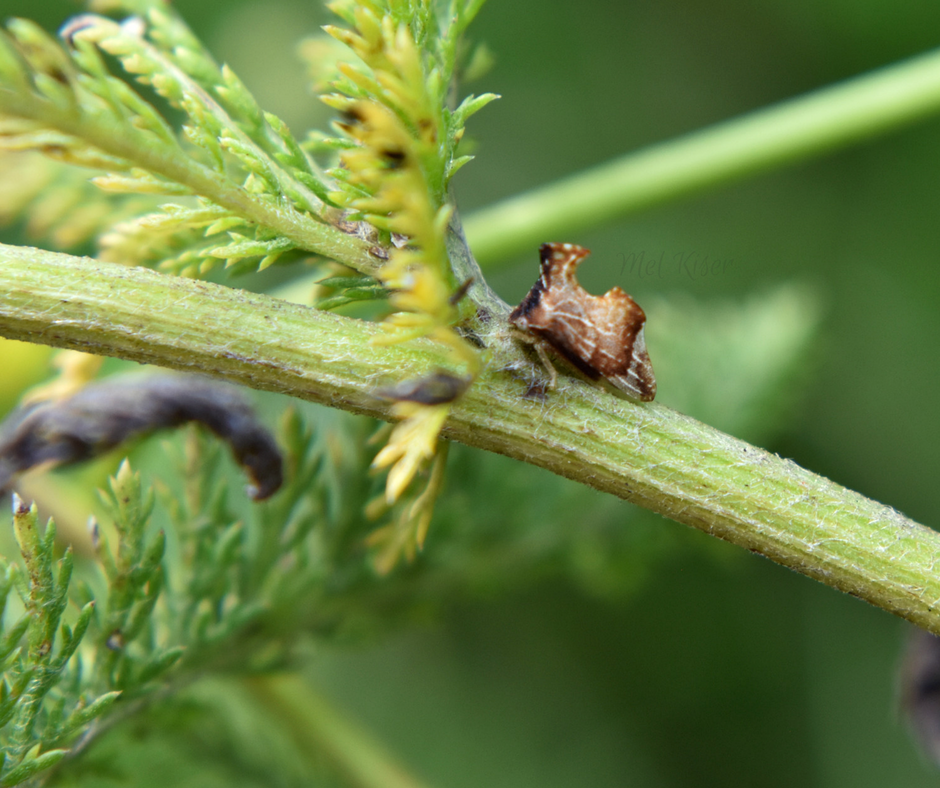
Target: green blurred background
[(719, 668)]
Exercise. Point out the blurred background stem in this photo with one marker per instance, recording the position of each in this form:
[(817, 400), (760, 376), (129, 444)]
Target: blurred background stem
[(824, 120), (317, 726)]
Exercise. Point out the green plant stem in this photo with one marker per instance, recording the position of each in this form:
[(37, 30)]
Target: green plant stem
[(829, 118), (316, 725), (647, 454)]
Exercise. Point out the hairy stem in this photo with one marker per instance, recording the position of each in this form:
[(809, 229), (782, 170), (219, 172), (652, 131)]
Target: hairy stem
[(647, 454), (829, 118)]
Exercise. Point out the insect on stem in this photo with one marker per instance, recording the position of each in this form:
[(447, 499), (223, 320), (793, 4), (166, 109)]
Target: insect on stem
[(600, 336)]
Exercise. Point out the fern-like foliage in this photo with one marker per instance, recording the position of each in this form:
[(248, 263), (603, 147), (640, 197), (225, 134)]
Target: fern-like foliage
[(61, 207), (241, 587), (247, 191), (398, 152)]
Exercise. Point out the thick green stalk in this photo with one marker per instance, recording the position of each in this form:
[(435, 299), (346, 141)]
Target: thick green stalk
[(647, 454), (793, 130)]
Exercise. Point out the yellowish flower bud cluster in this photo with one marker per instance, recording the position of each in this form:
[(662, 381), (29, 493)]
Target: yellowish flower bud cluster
[(395, 178)]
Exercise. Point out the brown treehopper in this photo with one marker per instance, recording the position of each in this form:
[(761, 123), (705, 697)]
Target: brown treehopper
[(601, 336)]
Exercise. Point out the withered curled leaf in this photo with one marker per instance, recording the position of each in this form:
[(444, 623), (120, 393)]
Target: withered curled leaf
[(103, 415)]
